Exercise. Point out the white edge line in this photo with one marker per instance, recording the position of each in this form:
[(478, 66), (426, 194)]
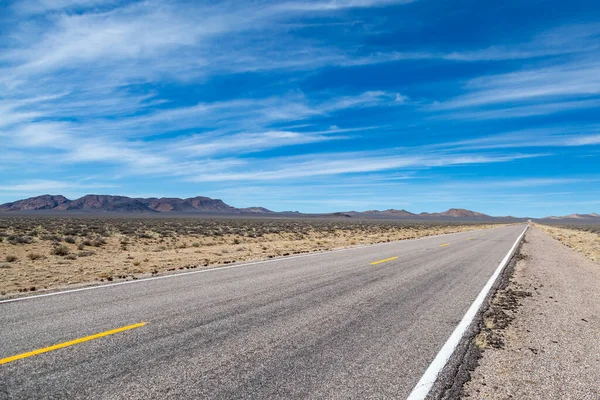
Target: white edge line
[(37, 296), (422, 388)]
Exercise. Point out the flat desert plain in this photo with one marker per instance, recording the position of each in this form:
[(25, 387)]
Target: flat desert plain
[(46, 252)]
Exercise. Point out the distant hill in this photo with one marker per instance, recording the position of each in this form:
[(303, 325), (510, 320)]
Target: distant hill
[(587, 217), (257, 210), (193, 204), (456, 213), (385, 213), (453, 213), (45, 202)]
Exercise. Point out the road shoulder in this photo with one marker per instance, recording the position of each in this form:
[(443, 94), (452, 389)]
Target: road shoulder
[(540, 335)]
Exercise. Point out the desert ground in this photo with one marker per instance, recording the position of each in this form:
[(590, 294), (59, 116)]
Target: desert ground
[(584, 238), (44, 252)]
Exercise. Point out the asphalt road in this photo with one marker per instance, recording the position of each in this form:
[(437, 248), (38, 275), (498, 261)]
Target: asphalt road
[(331, 325)]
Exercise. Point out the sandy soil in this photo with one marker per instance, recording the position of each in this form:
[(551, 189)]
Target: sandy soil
[(587, 243), (542, 331), (32, 267)]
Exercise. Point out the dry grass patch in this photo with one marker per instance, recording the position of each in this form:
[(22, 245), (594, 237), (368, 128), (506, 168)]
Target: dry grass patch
[(582, 238)]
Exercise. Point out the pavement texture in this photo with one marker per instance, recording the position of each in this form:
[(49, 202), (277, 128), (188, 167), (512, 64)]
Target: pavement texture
[(550, 346), (330, 325)]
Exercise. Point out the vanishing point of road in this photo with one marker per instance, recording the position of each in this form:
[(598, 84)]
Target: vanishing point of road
[(359, 323)]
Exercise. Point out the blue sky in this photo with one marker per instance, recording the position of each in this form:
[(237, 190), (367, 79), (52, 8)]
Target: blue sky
[(314, 106)]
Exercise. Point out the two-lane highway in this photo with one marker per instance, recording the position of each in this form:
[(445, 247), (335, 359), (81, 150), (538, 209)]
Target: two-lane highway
[(358, 323)]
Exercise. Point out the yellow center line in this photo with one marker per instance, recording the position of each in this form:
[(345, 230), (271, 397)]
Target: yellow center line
[(382, 261), (469, 238), (71, 343), (445, 244)]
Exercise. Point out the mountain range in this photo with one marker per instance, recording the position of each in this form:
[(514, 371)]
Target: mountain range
[(453, 212), (94, 202), (577, 216), (206, 205)]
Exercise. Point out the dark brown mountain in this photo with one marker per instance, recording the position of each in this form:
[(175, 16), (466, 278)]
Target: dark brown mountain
[(95, 202), (45, 202), (193, 204)]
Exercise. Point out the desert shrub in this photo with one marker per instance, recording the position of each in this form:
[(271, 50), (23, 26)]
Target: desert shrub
[(98, 242), (85, 253), (34, 256), (11, 258), (51, 238), (592, 228), (71, 256), (4, 266), (20, 239), (60, 250), (70, 239), (87, 242)]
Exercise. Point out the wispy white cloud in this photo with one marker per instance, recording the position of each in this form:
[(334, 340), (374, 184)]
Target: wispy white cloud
[(350, 163), (578, 78), (584, 140), (522, 110), (251, 142), (556, 136), (552, 85), (563, 40), (256, 114), (522, 183), (234, 127), (116, 41), (44, 6), (47, 186), (572, 85)]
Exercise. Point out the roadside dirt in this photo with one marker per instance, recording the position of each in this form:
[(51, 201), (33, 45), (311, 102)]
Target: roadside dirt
[(540, 337), (587, 243)]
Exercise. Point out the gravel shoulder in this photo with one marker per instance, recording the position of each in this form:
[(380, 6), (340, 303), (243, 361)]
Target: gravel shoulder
[(541, 334)]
